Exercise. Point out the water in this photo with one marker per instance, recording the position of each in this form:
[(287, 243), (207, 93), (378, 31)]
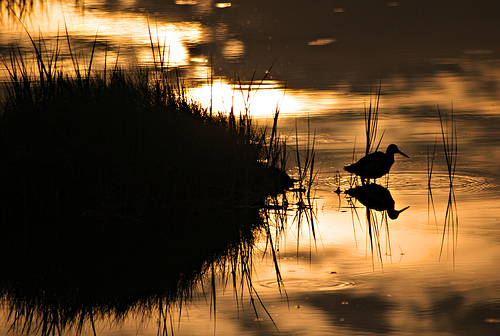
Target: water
[(328, 57)]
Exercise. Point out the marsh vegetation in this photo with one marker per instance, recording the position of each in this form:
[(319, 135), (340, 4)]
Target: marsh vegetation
[(119, 194)]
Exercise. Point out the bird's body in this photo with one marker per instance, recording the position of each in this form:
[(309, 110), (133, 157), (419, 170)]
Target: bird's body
[(374, 165), (274, 180)]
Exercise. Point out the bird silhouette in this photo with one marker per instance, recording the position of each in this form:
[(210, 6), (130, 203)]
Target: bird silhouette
[(375, 165), (275, 180), (375, 197)]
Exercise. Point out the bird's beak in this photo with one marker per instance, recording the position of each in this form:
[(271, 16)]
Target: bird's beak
[(400, 211), (394, 214), (400, 152)]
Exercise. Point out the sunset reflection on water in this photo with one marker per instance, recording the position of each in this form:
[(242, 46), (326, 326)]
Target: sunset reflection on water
[(128, 33), (232, 58)]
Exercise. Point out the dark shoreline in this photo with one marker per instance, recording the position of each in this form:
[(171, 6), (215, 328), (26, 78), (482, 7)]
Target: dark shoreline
[(119, 193)]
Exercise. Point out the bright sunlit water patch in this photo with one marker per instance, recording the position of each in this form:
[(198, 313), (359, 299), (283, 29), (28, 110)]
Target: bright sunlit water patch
[(321, 41), (223, 4), (403, 99), (127, 32), (233, 49), (259, 99)]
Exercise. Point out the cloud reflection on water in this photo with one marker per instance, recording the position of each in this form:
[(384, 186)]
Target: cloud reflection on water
[(471, 81), (126, 32)]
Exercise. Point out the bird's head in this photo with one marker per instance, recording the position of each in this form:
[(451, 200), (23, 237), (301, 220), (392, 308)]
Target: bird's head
[(392, 148)]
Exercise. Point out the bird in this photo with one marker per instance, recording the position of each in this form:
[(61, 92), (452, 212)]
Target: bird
[(375, 165), (274, 180), (376, 197)]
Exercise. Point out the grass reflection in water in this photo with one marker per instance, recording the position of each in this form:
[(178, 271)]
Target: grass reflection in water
[(119, 195), (378, 198), (375, 197)]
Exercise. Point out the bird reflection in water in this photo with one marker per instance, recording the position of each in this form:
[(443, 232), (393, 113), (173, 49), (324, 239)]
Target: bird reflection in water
[(376, 197)]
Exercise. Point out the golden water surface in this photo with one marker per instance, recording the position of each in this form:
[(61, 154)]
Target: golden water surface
[(325, 61)]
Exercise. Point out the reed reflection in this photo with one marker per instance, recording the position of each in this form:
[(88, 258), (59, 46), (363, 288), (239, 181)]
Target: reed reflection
[(374, 165), (378, 198), (65, 282)]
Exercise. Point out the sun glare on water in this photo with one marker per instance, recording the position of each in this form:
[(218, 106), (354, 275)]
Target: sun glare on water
[(258, 100)]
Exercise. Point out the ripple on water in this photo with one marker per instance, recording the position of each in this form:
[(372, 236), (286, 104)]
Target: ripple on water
[(418, 181), (477, 181), (474, 183), (312, 284)]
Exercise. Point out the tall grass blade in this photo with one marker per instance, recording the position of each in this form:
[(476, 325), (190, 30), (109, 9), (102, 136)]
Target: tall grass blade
[(450, 148)]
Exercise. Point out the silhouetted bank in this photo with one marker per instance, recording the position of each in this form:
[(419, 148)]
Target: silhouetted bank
[(117, 192)]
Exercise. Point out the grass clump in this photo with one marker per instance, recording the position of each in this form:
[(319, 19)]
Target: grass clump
[(118, 192), (102, 143)]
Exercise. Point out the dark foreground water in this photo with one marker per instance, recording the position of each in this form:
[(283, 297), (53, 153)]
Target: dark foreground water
[(428, 276)]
